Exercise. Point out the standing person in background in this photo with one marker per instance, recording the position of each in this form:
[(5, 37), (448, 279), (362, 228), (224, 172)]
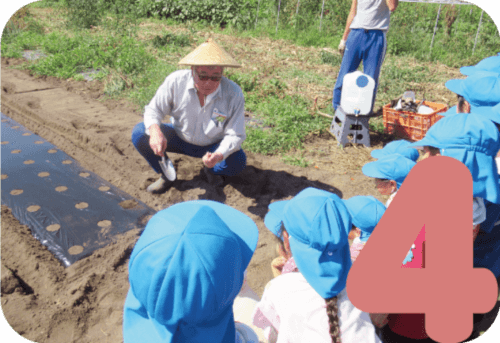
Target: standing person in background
[(364, 39)]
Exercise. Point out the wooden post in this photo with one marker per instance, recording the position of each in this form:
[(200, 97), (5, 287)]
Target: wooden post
[(297, 15), (435, 26), (257, 17), (277, 20), (321, 20), (477, 33)]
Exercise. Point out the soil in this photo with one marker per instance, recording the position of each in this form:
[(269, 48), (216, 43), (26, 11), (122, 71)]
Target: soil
[(46, 302)]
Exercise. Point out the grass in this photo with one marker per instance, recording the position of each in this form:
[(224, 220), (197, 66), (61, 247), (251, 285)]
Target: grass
[(283, 75)]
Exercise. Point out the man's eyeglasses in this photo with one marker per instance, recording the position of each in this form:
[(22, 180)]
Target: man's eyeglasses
[(206, 78)]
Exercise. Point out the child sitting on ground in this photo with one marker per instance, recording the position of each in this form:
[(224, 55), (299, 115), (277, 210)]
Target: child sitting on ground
[(474, 141), (310, 302), (397, 147), (365, 212), (185, 272), (389, 173)]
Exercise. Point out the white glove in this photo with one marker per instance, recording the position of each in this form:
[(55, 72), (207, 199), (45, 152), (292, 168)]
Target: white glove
[(342, 47)]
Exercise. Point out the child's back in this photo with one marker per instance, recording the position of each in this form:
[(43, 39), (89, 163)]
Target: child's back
[(300, 314)]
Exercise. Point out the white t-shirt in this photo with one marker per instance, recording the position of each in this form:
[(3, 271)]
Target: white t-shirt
[(222, 118), (291, 311), (371, 15)]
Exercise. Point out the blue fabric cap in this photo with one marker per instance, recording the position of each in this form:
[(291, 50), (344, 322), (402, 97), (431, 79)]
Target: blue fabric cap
[(185, 272), (318, 224), (479, 89), (492, 113), (473, 140), (490, 64), (451, 111), (274, 217), (366, 212), (397, 147), (393, 167)]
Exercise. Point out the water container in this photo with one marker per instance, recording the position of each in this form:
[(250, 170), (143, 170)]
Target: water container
[(357, 93)]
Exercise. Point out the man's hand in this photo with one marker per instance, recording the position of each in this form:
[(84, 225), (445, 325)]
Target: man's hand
[(342, 47), (157, 140), (211, 159), (392, 4)]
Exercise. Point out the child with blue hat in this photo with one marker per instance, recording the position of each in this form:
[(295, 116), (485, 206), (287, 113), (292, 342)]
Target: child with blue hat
[(366, 212), (389, 173), (311, 304), (473, 140), (481, 89), (490, 64), (185, 272), (397, 147)]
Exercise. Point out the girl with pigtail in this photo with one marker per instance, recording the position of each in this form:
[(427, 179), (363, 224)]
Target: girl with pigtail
[(307, 301)]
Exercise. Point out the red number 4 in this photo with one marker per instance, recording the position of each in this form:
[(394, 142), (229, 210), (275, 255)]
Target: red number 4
[(436, 194)]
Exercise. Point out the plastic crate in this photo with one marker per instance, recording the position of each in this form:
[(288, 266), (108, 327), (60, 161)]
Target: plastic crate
[(409, 125)]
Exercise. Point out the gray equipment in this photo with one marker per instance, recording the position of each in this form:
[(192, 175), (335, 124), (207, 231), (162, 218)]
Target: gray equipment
[(350, 128)]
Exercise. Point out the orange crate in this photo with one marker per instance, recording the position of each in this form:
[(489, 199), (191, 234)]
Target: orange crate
[(409, 125)]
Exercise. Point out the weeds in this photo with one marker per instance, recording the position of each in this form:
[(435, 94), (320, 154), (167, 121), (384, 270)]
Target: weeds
[(180, 40), (83, 14), (296, 161), (290, 123), (329, 58)]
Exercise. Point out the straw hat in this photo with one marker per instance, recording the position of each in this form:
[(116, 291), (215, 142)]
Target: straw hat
[(209, 54)]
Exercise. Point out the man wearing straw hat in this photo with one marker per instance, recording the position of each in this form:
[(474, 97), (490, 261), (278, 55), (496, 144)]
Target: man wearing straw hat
[(207, 117)]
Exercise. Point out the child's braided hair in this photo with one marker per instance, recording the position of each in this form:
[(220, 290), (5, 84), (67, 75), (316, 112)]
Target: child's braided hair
[(332, 309)]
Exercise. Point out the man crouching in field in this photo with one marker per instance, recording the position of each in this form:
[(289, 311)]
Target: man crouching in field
[(207, 117)]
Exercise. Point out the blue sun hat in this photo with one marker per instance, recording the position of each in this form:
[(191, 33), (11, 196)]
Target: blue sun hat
[(274, 217), (479, 89), (490, 64), (474, 140), (492, 113), (366, 212), (318, 224), (397, 147), (185, 272), (450, 112), (394, 167)]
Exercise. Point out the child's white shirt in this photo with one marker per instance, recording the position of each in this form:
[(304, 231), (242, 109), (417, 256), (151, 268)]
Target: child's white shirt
[(291, 308), (391, 198)]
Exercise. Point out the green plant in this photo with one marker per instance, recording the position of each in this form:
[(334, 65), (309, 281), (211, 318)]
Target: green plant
[(377, 125), (84, 14), (296, 161), (290, 123), (329, 58), (247, 82), (114, 86), (171, 39)]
